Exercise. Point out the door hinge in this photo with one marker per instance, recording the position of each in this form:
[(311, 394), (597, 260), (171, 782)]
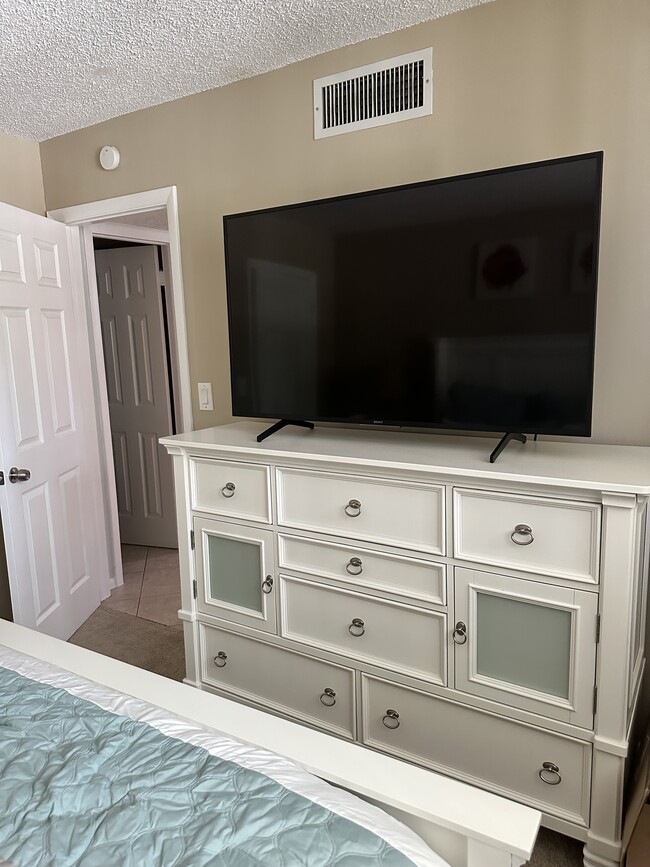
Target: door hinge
[(195, 588), (595, 698), (192, 544), (597, 628)]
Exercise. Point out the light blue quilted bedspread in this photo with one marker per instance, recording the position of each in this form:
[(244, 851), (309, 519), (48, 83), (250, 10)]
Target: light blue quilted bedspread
[(81, 786)]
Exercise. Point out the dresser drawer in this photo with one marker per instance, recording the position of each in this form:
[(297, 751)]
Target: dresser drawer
[(399, 513), (532, 534), (231, 488), (500, 754), (316, 692), (405, 576), (395, 636)]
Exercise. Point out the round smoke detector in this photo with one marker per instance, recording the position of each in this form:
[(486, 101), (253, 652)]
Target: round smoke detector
[(109, 158)]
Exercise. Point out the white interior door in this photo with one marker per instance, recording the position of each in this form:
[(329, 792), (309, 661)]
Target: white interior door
[(139, 402), (50, 502)]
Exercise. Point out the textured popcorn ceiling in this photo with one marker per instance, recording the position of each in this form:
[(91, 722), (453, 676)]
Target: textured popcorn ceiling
[(66, 64)]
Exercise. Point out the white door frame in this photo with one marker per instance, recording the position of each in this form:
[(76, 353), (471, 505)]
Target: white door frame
[(84, 216)]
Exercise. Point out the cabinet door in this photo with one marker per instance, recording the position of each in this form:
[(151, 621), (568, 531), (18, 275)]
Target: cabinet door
[(526, 644), (235, 575)]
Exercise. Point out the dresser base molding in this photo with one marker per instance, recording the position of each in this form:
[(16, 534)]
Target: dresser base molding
[(350, 522), (592, 860), (601, 853)]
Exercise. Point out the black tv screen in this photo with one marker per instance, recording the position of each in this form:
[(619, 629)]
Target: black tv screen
[(465, 303)]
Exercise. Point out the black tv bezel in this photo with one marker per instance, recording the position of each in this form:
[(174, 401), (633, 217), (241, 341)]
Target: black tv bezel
[(598, 156)]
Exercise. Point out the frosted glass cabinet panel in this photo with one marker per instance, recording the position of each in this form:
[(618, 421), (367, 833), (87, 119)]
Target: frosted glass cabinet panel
[(234, 568), (523, 643), (527, 644)]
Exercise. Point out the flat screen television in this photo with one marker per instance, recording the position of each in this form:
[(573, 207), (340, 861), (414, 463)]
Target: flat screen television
[(465, 303)]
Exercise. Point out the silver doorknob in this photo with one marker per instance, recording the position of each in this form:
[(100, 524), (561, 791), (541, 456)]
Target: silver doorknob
[(16, 475)]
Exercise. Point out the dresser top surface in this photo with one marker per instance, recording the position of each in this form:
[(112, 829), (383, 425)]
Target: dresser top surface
[(618, 469)]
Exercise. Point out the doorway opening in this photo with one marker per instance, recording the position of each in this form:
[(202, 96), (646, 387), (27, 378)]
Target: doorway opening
[(137, 323), (133, 288), (147, 218)]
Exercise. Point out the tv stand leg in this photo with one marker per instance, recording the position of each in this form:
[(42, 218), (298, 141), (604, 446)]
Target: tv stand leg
[(503, 442), (283, 423)]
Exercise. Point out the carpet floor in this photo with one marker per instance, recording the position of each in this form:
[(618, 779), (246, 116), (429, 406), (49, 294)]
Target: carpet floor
[(135, 640), (160, 649), (556, 850)]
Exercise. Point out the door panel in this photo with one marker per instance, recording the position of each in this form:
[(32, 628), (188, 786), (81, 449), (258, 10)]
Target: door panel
[(71, 499), (112, 361), (152, 494), (122, 480), (58, 369), (22, 383), (48, 270), (138, 393), (42, 550), (52, 519), (12, 261)]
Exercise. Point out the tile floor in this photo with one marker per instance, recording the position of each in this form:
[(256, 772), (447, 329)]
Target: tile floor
[(151, 586)]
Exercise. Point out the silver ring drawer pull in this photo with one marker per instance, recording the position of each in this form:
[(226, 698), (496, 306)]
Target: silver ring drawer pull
[(228, 490), (328, 697), (267, 584), (354, 567), (525, 532), (391, 719), (353, 509), (550, 774), (220, 659), (358, 626), (460, 633)]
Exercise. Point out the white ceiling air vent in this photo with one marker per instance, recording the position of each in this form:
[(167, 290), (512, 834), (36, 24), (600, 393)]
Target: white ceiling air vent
[(395, 89)]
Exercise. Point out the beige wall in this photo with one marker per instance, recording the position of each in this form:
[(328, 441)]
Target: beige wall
[(515, 81), (21, 178)]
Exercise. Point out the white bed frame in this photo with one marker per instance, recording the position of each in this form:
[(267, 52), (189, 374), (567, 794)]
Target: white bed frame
[(465, 825)]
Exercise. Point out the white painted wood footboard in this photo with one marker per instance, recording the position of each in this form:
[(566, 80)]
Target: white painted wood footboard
[(465, 825)]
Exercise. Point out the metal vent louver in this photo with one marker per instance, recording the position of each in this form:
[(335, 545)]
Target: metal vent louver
[(392, 90)]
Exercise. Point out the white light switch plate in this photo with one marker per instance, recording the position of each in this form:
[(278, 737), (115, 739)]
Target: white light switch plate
[(205, 395)]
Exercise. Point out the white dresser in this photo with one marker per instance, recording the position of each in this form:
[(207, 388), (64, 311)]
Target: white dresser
[(483, 620)]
